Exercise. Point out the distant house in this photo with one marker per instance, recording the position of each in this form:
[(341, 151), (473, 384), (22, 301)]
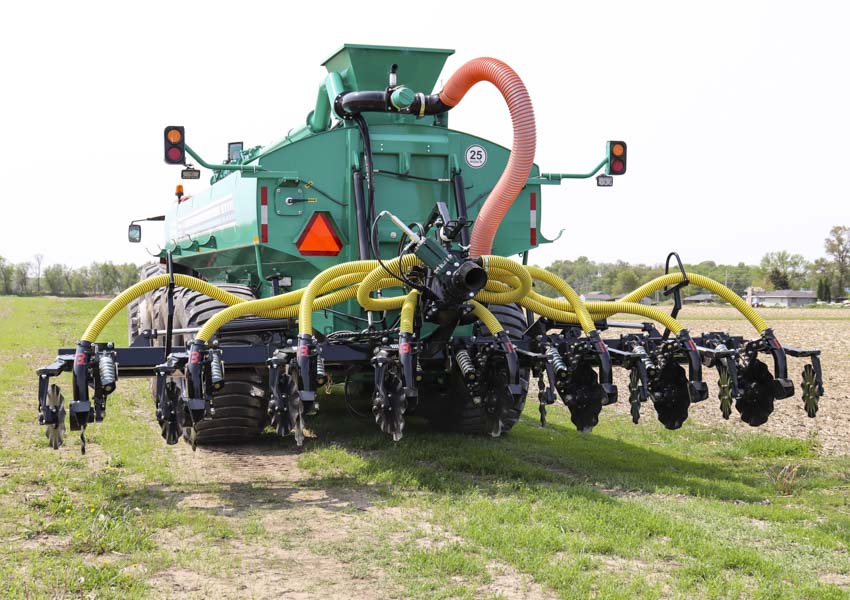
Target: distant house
[(785, 298), (700, 299), (596, 297)]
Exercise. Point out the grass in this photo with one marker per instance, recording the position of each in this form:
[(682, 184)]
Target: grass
[(625, 512)]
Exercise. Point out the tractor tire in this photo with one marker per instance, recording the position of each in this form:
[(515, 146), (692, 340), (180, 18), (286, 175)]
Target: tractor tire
[(240, 411), (240, 406), (139, 314), (457, 412)]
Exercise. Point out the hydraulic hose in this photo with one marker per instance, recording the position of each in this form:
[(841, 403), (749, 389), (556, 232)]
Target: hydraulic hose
[(148, 285), (408, 309), (703, 282), (521, 160)]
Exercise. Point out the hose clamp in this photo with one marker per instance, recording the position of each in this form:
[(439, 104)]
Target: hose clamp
[(421, 104)]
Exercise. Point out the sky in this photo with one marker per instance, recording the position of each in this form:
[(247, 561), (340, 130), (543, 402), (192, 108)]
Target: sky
[(736, 114)]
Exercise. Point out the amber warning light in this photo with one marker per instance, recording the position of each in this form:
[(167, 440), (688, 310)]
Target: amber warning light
[(175, 145), (616, 158)]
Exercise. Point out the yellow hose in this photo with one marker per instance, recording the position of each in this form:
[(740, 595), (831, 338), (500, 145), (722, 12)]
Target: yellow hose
[(500, 263), (568, 292), (276, 307), (305, 310), (508, 282), (148, 285), (486, 317), (549, 312), (603, 310), (501, 276), (320, 303), (372, 282), (408, 309), (703, 282)]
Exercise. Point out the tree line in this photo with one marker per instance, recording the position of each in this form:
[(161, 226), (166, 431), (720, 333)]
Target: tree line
[(32, 278), (828, 276)]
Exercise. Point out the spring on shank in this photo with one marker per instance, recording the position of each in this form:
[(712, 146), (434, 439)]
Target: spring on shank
[(467, 368), (106, 367), (321, 375), (216, 371), (557, 362), (644, 357)]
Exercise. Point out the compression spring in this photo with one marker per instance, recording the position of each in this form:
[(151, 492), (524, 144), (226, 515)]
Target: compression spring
[(216, 371), (321, 375), (644, 357), (557, 362), (467, 368), (108, 374)]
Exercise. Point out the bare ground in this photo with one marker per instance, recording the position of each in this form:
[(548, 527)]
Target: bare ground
[(826, 329), (308, 532), (311, 531), (304, 518)]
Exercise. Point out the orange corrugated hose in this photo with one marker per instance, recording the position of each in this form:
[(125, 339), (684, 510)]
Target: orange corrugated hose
[(522, 152)]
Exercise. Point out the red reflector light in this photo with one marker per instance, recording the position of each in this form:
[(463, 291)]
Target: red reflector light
[(319, 237), (175, 154), (617, 167)]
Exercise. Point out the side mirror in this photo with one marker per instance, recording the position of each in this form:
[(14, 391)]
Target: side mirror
[(134, 233)]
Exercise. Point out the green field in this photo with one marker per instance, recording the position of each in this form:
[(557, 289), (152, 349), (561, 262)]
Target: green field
[(622, 513)]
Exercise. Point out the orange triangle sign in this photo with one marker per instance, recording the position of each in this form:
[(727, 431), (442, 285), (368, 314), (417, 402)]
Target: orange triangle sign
[(319, 237)]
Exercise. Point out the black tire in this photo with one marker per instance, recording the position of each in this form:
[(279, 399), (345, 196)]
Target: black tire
[(240, 411), (133, 321), (195, 308), (456, 410), (240, 406), (139, 313)]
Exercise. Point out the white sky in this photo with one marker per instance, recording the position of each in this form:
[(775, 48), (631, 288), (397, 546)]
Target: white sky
[(737, 114)]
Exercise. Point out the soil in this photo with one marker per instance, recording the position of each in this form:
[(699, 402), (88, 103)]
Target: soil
[(826, 329)]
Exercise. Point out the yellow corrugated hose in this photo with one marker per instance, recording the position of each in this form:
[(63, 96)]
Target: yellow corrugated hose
[(148, 285), (561, 310), (498, 264), (372, 282), (305, 310), (408, 309), (703, 282), (276, 307), (568, 292), (508, 282), (486, 317), (319, 303)]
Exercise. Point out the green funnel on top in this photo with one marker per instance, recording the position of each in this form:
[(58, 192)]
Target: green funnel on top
[(364, 67)]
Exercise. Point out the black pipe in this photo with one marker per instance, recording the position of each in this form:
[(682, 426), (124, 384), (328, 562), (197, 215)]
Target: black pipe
[(460, 207), (354, 103), (433, 105), (169, 323), (368, 167), (360, 216), (349, 104)]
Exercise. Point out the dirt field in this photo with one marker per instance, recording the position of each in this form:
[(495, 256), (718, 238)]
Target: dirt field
[(826, 329), (625, 512)]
